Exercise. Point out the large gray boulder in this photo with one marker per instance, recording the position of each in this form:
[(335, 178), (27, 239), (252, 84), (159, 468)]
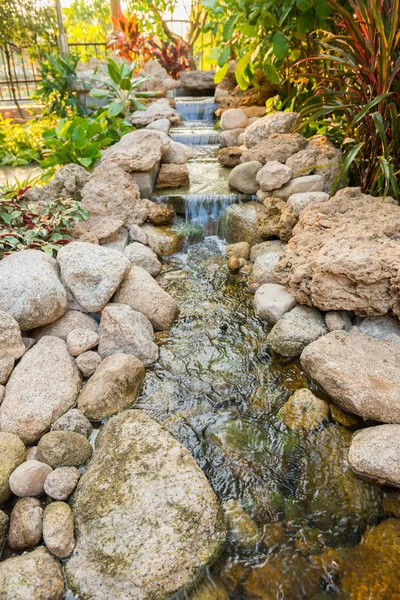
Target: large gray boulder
[(127, 331), (360, 373), (244, 177), (30, 290), (238, 223), (42, 387), (92, 273), (375, 453), (295, 330), (35, 575), (147, 521), (143, 294)]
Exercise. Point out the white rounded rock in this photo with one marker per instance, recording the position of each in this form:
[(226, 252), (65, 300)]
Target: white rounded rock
[(28, 479)]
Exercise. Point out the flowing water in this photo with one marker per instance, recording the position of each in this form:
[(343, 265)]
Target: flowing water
[(218, 389)]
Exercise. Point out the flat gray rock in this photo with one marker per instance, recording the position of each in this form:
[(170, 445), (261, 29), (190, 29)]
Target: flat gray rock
[(147, 521), (360, 373), (272, 301), (375, 453), (379, 327), (295, 330)]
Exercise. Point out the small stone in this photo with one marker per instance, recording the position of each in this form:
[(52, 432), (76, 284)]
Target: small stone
[(28, 479), (87, 362), (241, 250), (375, 453), (233, 263), (11, 343), (342, 417), (114, 387), (64, 449), (72, 319), (12, 453), (74, 420), (338, 320), (301, 200), (25, 524), (6, 368), (273, 535), (273, 175), (230, 137), (243, 177), (31, 453), (143, 256), (271, 246), (58, 529), (272, 301), (229, 157), (136, 234), (304, 411), (4, 523), (81, 340), (233, 118), (171, 176), (296, 330), (264, 264), (60, 484), (164, 240), (35, 575), (243, 531), (160, 214)]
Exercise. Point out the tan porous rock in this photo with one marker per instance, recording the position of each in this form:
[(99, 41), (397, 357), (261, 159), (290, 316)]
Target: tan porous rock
[(345, 255), (160, 214), (327, 161), (277, 219), (262, 129), (279, 147), (303, 162), (171, 176), (358, 372), (230, 157)]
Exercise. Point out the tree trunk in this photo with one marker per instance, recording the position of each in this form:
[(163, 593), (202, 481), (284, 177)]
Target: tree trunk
[(10, 78)]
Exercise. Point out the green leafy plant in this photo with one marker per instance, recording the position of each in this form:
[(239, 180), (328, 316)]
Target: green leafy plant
[(55, 89), (358, 98), (122, 89), (81, 139), (21, 144), (29, 226)]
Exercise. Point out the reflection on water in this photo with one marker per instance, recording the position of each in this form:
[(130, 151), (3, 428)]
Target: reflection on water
[(296, 507)]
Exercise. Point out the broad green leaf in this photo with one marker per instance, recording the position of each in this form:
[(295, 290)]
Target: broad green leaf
[(322, 9), (115, 108), (240, 71), (220, 74), (248, 30), (229, 27), (224, 56), (126, 84), (304, 5), (49, 134), (60, 126), (79, 137), (114, 71), (86, 162), (305, 22), (97, 93), (279, 45), (271, 73)]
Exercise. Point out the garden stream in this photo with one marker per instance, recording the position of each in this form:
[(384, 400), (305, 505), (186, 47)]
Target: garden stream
[(218, 390)]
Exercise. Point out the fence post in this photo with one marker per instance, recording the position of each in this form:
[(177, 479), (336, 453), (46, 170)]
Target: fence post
[(62, 36)]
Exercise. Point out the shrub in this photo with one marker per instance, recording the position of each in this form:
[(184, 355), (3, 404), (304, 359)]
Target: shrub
[(55, 89), (358, 97), (21, 144)]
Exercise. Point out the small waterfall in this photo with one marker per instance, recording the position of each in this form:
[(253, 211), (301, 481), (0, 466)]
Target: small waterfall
[(194, 109), (200, 136), (206, 210)]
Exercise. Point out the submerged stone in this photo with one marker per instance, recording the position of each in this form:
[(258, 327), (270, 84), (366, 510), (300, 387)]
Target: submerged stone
[(304, 411)]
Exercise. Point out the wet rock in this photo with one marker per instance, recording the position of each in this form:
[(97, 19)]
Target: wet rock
[(177, 154), (229, 157), (160, 109), (375, 453), (296, 330), (160, 214), (11, 344), (28, 479), (73, 420), (242, 530), (30, 290), (25, 524), (328, 160), (300, 185), (13, 453), (163, 240), (171, 176), (58, 529), (273, 246), (345, 255), (92, 273), (273, 175), (243, 177), (391, 503), (337, 502), (241, 250), (112, 192), (278, 147), (277, 122), (264, 265), (87, 362), (36, 575), (143, 294), (113, 387), (159, 540), (342, 417), (210, 589), (42, 387), (81, 340), (338, 320), (64, 449), (233, 118), (126, 331), (234, 263), (302, 163), (238, 223), (272, 301), (300, 201), (304, 411), (231, 137), (379, 327), (136, 234), (358, 372), (72, 319), (60, 484), (6, 368), (277, 219), (4, 523), (272, 535), (370, 569), (143, 256)]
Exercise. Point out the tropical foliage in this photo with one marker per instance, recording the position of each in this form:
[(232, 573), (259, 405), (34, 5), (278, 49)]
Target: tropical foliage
[(21, 144), (27, 226), (358, 97)]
